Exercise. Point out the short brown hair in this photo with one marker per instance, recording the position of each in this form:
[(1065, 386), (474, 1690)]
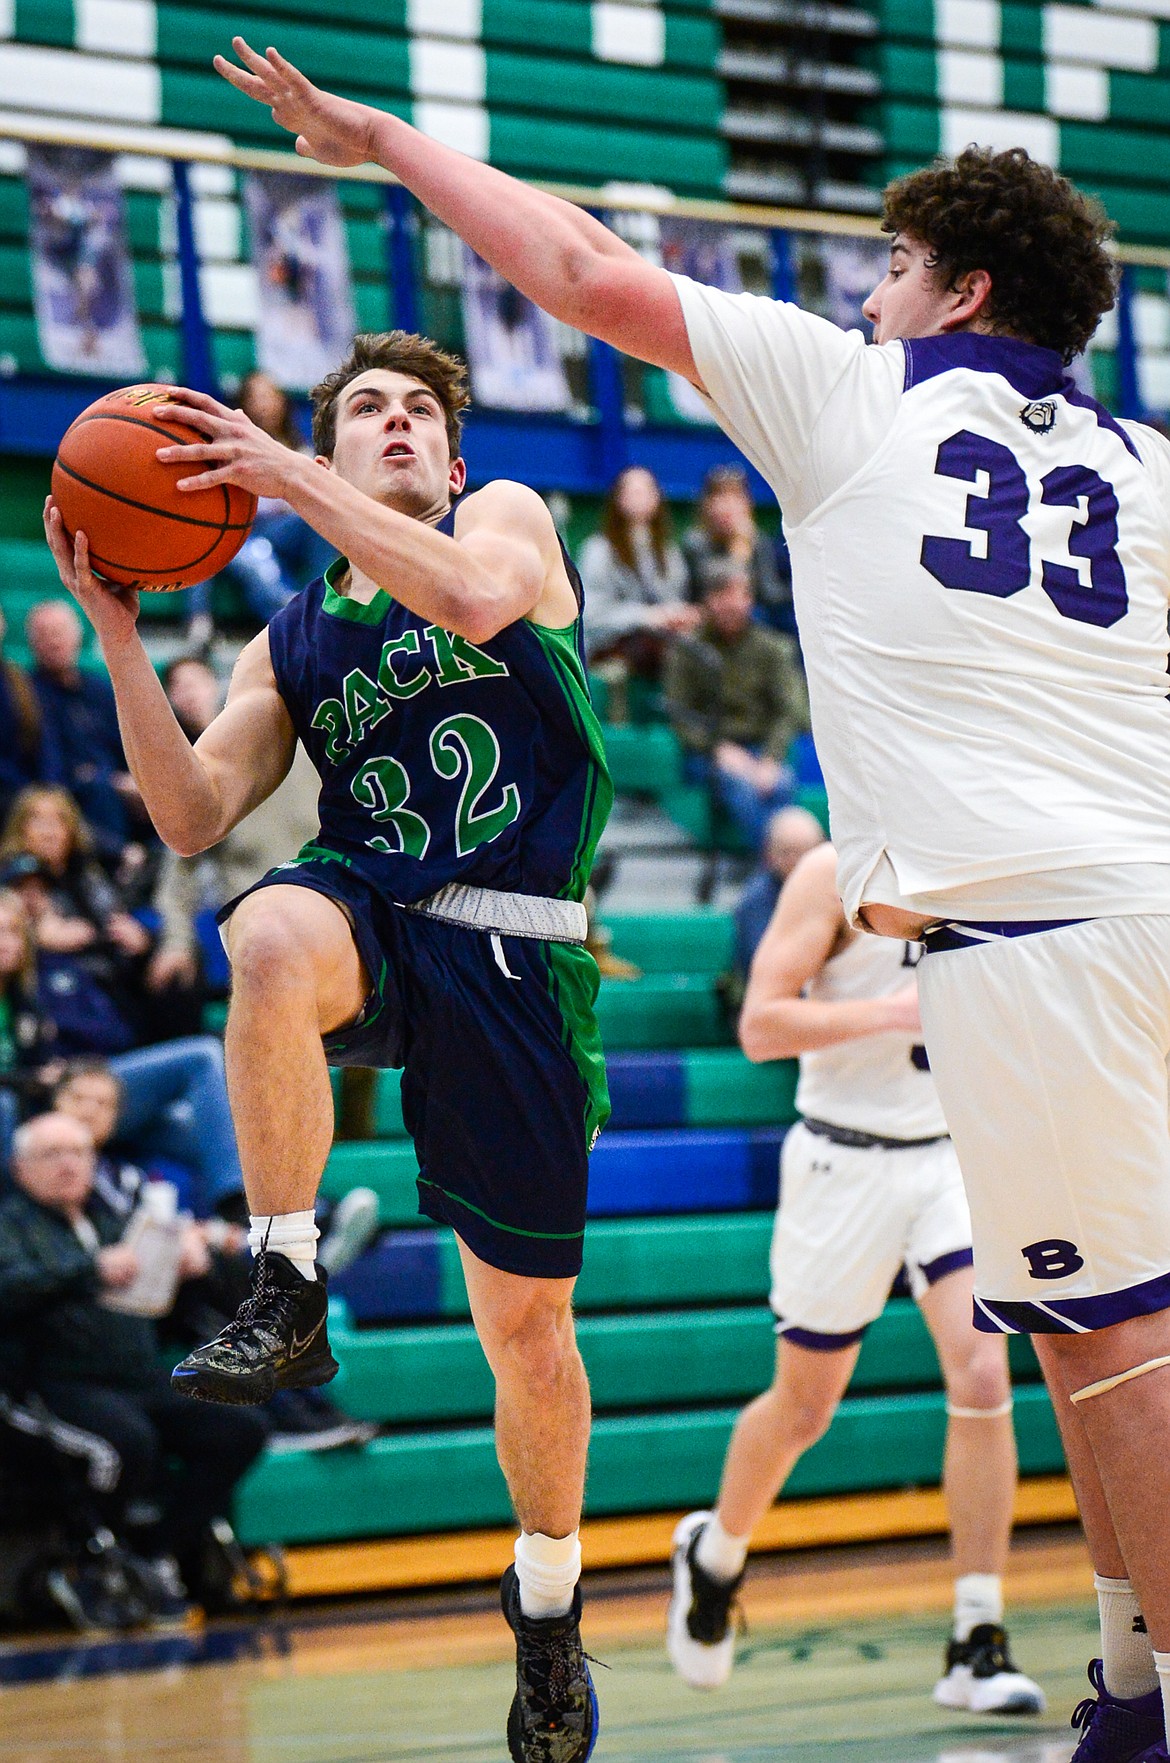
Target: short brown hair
[(398, 352), (1042, 241)]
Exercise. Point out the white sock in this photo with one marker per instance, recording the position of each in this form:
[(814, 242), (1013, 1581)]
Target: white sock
[(291, 1234), (548, 1569), (978, 1599), (1162, 1666), (1125, 1646), (719, 1553)]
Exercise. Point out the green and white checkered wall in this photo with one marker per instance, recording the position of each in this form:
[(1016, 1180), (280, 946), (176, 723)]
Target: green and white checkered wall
[(582, 91)]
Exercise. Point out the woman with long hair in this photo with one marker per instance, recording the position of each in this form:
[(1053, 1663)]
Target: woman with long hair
[(27, 1037), (82, 907), (635, 583), (24, 750)]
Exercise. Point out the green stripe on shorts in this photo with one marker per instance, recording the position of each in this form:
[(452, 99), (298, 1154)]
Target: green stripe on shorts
[(573, 983)]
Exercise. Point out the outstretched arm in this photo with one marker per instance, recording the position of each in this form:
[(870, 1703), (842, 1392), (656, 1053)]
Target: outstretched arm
[(554, 252)]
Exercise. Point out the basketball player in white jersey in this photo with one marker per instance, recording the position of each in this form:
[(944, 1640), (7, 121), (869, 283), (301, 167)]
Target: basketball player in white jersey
[(981, 574), (870, 1183)]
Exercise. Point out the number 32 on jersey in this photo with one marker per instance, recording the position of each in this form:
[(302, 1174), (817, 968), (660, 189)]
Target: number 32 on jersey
[(1003, 565)]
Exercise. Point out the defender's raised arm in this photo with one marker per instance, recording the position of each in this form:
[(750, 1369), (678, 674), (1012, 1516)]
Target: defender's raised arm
[(554, 252)]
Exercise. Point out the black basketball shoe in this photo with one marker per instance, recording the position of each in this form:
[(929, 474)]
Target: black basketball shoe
[(553, 1717), (275, 1341), (980, 1676)]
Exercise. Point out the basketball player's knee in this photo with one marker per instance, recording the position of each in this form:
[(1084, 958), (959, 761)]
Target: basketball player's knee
[(802, 1416), (535, 1343), (978, 1379), (267, 956)]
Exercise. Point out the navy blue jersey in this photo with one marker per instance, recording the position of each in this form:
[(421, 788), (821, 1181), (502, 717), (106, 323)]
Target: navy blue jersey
[(442, 760)]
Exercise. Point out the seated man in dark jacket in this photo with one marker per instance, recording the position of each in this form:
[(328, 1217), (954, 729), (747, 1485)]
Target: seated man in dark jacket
[(60, 1258), (736, 696)]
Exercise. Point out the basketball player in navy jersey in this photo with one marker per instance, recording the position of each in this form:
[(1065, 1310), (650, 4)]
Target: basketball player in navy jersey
[(981, 574), (436, 677)]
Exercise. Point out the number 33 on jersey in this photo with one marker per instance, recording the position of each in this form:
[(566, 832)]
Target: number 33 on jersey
[(441, 760), (991, 631)]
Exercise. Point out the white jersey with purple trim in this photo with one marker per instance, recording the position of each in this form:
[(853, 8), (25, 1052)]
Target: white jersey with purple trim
[(981, 569), (880, 1084)]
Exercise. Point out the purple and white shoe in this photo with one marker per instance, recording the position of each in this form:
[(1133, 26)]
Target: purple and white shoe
[(1117, 1731)]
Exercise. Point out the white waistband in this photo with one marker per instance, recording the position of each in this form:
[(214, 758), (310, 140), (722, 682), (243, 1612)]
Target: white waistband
[(507, 915)]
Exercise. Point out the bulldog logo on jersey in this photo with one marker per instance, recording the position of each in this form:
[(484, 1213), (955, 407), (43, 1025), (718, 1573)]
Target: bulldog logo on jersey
[(1040, 418)]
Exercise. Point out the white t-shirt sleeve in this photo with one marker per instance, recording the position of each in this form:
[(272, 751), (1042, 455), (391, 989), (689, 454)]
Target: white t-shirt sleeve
[(772, 372)]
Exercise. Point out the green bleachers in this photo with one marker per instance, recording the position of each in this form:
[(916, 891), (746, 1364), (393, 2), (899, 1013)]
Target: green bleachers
[(722, 1088), (390, 1169), (449, 1479), (644, 759), (661, 1010), (651, 1263), (665, 1359), (695, 942)]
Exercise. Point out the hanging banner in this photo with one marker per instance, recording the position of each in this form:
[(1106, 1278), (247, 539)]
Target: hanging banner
[(852, 269), (512, 351), (83, 279), (706, 253), (307, 319)]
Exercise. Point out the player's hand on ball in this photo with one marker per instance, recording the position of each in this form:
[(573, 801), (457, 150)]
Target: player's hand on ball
[(112, 610), (236, 450), (332, 130)]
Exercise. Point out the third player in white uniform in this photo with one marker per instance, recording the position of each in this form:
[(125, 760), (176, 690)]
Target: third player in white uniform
[(869, 1184)]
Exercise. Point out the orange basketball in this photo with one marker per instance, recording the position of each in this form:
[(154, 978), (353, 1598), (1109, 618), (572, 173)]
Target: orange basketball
[(142, 531)]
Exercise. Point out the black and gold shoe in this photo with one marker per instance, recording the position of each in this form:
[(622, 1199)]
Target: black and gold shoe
[(553, 1717), (276, 1340)]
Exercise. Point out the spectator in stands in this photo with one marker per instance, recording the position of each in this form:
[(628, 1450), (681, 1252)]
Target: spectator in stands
[(84, 980), (99, 1369), (282, 553), (93, 953), (167, 1102), (736, 695), (791, 833), (89, 1090), (725, 530), (28, 1060), (77, 708), (25, 754), (635, 584)]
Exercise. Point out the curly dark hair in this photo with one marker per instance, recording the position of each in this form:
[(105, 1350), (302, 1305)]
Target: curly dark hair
[(1043, 242), (398, 352)]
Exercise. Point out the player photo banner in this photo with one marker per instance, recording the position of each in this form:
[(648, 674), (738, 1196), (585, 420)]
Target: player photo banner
[(706, 253), (306, 312), (83, 279), (512, 351), (851, 269)]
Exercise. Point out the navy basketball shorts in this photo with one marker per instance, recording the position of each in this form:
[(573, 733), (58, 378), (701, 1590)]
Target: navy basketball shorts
[(503, 1085)]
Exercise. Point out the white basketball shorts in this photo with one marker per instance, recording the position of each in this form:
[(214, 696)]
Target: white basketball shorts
[(849, 1218), (1051, 1051)]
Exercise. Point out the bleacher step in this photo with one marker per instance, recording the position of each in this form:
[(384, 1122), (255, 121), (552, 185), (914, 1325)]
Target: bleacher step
[(629, 1264), (664, 1359), (422, 1481), (681, 1171)]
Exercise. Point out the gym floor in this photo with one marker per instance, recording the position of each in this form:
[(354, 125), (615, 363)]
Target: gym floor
[(841, 1651)]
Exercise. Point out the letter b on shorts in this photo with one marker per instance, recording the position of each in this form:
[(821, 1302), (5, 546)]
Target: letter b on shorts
[(1052, 1258)]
